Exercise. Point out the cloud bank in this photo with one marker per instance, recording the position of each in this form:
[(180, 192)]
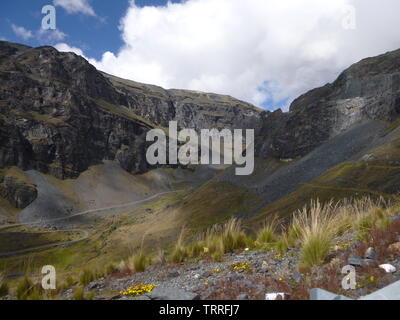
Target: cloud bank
[(266, 52), (22, 32), (75, 6)]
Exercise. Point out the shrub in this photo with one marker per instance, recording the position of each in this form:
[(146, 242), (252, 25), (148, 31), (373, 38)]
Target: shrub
[(70, 281), (282, 244), (86, 277), (27, 290), (195, 249), (268, 233), (4, 289), (232, 237), (217, 256), (318, 227), (110, 269), (35, 294), (160, 257), (179, 253), (90, 295), (138, 262), (79, 294), (368, 215), (293, 235)]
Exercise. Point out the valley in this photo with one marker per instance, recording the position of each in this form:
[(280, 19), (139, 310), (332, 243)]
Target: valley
[(77, 192)]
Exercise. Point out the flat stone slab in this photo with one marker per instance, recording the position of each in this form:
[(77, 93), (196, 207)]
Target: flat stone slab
[(320, 294), (391, 292)]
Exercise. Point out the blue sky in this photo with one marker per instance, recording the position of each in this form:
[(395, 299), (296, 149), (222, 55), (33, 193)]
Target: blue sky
[(265, 52), (93, 34)]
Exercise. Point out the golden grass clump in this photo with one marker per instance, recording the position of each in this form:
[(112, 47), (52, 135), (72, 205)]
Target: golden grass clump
[(318, 225), (267, 234), (4, 288)]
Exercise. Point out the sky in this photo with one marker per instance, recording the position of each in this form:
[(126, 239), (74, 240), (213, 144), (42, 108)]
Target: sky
[(266, 52)]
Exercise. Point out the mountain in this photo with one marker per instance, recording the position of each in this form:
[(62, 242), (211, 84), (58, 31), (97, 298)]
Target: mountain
[(59, 116), (72, 151)]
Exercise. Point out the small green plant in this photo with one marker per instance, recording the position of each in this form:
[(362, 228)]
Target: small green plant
[(4, 289), (232, 236), (293, 235), (282, 244), (24, 288), (27, 290), (70, 281), (195, 249), (318, 227), (217, 256), (90, 295), (268, 232), (36, 294), (86, 277), (138, 262), (110, 269), (79, 294), (179, 253)]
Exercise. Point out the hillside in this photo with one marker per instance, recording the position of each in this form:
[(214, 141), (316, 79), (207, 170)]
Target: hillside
[(76, 189)]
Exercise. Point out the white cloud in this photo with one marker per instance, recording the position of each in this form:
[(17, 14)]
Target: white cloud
[(76, 6), (22, 32), (256, 50), (63, 47), (50, 36)]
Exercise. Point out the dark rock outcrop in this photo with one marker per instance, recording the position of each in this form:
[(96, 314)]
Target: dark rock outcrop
[(19, 193), (59, 115), (368, 90)]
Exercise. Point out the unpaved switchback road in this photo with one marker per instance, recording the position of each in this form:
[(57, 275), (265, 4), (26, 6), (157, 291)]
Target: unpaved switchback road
[(86, 234)]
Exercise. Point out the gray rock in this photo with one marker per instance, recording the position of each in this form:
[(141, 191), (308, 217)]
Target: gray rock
[(394, 218), (371, 254), (242, 296), (355, 245), (206, 274), (170, 293), (320, 294), (93, 285), (358, 261), (391, 292), (297, 276), (173, 274)]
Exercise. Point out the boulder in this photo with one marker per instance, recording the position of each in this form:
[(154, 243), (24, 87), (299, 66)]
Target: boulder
[(371, 253)]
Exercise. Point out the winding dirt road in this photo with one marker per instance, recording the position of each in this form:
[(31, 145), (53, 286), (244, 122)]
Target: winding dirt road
[(86, 233)]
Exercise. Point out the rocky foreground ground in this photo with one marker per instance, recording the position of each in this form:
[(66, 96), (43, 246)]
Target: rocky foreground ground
[(251, 274)]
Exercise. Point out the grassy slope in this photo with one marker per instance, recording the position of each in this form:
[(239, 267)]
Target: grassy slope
[(114, 238), (377, 175)]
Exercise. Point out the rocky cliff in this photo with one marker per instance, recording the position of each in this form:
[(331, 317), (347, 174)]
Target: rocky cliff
[(54, 115), (59, 115), (191, 109), (368, 90)]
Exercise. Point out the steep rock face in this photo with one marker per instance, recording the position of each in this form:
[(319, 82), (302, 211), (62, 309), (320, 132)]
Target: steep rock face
[(58, 115), (20, 195), (368, 90), (17, 188), (191, 109)]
